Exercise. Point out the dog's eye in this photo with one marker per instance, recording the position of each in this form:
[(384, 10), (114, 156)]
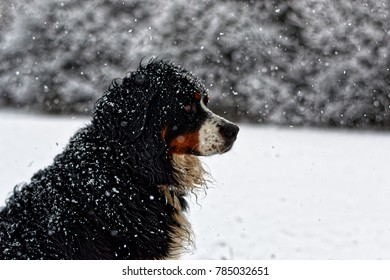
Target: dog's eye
[(190, 108)]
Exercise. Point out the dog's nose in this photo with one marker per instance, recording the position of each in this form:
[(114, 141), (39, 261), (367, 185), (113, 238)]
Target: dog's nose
[(229, 131)]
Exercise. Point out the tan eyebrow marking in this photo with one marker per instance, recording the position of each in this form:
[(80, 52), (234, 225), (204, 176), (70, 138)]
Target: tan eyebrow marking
[(197, 96)]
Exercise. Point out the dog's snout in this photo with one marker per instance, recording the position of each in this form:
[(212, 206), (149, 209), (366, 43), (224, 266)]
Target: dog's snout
[(229, 131)]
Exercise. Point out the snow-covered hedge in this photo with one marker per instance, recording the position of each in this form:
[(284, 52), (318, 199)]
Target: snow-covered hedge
[(321, 62)]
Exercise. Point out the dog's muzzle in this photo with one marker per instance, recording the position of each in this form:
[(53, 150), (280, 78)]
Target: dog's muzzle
[(216, 135)]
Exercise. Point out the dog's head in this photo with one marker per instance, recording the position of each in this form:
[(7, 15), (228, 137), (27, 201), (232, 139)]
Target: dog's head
[(162, 100)]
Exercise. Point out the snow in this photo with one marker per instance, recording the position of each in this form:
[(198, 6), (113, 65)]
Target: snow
[(289, 193), (281, 193)]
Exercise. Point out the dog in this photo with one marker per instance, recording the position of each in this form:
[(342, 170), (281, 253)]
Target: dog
[(118, 189)]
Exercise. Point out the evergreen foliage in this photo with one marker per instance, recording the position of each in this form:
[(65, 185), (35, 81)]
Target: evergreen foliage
[(319, 62)]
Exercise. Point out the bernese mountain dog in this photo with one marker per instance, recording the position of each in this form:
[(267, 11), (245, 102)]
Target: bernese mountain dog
[(118, 189)]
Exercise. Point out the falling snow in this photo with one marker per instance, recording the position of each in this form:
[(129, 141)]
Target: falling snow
[(333, 52), (331, 207)]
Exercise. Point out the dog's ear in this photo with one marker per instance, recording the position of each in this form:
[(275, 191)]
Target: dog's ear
[(122, 111), (139, 94)]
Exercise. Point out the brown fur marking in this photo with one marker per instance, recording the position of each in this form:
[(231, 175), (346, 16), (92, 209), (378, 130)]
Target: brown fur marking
[(184, 143)]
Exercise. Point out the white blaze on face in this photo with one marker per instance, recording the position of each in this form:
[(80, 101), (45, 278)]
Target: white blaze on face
[(210, 140)]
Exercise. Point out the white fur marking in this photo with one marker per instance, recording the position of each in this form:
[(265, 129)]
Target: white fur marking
[(210, 140)]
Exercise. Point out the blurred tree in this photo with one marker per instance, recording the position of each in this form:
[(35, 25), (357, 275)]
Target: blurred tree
[(58, 56), (321, 62)]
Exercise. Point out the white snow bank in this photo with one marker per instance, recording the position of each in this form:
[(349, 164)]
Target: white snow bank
[(282, 193)]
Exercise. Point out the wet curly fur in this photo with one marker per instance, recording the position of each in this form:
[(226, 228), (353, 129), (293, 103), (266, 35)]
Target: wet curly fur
[(118, 189)]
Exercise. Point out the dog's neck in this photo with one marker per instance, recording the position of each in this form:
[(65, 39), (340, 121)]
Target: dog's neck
[(188, 173)]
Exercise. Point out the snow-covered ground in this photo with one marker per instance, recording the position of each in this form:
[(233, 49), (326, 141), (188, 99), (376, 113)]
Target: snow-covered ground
[(281, 193)]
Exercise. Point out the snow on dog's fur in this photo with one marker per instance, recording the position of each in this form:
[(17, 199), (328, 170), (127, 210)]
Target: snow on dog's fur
[(118, 189)]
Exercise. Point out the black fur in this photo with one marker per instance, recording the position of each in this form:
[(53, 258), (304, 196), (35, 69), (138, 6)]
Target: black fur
[(100, 198)]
